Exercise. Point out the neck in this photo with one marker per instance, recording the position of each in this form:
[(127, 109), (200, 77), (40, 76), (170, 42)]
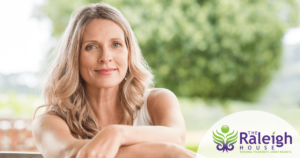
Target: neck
[(105, 104)]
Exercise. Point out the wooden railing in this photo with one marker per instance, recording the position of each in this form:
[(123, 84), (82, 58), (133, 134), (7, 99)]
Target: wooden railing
[(4, 154)]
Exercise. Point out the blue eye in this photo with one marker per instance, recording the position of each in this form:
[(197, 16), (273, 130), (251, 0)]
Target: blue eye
[(89, 47), (116, 44)]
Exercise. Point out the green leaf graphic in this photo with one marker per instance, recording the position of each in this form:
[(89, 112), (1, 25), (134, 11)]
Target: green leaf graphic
[(230, 134), (273, 132), (220, 134), (218, 139), (232, 138)]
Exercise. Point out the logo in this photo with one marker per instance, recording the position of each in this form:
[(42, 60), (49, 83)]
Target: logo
[(250, 134), (225, 142), (257, 138)]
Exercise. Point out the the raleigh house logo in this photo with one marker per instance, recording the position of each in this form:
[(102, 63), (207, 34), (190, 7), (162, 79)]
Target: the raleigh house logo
[(257, 139), (225, 142)]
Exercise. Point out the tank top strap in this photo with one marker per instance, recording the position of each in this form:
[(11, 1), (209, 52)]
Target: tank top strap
[(143, 117), (145, 108), (146, 94)]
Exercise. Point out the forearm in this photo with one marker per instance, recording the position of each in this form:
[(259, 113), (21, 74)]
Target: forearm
[(144, 150), (126, 136), (75, 147), (142, 134)]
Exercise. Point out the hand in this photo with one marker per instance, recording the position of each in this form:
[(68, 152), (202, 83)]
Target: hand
[(104, 145), (176, 151)]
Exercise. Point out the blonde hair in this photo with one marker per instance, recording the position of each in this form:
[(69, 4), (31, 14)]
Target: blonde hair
[(64, 91)]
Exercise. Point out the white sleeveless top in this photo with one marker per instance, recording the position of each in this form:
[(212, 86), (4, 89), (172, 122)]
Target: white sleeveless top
[(143, 117)]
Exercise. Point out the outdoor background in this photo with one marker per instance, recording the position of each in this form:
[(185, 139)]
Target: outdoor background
[(218, 56)]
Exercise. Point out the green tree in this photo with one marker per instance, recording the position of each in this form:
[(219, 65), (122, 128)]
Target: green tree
[(213, 49)]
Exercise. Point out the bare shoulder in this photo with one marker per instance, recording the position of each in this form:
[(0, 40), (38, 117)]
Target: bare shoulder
[(46, 120), (48, 124), (50, 132), (44, 117), (161, 95), (162, 102)]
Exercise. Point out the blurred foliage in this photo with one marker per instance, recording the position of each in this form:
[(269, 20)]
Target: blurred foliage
[(18, 105), (213, 49)]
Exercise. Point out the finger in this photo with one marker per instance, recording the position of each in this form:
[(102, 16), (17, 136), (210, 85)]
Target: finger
[(80, 155)]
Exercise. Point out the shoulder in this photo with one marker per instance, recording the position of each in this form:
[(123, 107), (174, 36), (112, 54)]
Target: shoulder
[(48, 130), (43, 119), (53, 136), (47, 123), (160, 95), (161, 102)]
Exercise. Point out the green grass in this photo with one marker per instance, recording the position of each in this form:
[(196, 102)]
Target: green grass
[(192, 147)]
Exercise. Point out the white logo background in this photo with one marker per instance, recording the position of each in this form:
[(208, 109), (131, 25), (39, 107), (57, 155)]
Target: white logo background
[(245, 121)]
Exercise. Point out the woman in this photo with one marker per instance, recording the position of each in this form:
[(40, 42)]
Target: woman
[(98, 101)]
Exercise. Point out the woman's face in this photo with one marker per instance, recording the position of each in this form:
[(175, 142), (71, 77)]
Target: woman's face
[(103, 54)]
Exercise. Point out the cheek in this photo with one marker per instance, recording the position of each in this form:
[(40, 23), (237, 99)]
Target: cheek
[(122, 61), (85, 61), (85, 64)]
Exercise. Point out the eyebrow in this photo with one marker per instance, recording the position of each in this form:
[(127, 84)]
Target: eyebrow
[(97, 41)]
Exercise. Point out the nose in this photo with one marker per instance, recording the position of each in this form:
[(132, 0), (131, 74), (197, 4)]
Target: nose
[(105, 56)]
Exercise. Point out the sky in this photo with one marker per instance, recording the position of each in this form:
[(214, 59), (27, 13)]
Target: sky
[(292, 36), (25, 40)]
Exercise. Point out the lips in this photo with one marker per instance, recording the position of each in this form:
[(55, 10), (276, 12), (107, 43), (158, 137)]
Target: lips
[(109, 69)]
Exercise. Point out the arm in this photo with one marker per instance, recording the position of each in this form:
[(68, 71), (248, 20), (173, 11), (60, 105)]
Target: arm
[(54, 140), (164, 111), (53, 137), (155, 149), (144, 150)]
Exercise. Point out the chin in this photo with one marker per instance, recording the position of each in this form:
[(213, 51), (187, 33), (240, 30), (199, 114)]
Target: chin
[(108, 84)]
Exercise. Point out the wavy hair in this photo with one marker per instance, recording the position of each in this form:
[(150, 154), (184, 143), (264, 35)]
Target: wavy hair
[(64, 91)]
